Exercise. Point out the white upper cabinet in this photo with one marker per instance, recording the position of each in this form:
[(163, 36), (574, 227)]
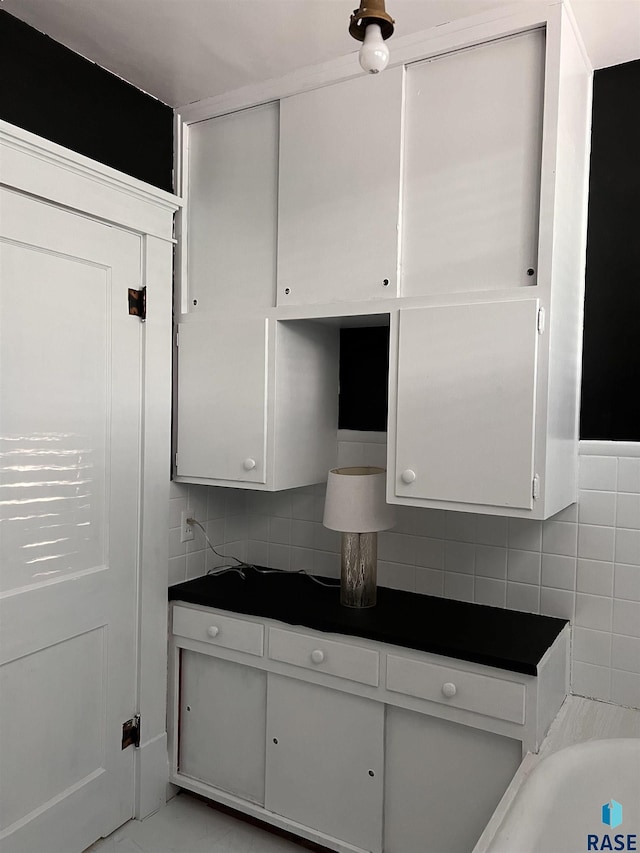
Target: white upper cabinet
[(472, 149), (466, 403), (340, 149), (232, 198)]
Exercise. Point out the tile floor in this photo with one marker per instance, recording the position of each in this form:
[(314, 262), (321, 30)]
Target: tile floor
[(188, 825)]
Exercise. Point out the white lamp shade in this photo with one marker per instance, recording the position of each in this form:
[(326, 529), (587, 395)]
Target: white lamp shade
[(355, 501)]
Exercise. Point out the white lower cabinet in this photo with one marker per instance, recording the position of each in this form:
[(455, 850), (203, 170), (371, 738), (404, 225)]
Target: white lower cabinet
[(412, 758), (325, 760)]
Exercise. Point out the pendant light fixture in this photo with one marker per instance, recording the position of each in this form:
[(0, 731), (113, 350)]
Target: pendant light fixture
[(371, 25)]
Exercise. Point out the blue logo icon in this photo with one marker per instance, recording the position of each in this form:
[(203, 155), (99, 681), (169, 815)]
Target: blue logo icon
[(612, 814)]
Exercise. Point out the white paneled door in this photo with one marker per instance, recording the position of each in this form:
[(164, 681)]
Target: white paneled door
[(70, 385)]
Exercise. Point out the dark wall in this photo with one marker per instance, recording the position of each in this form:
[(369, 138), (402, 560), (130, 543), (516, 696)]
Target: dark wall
[(52, 91), (611, 361)]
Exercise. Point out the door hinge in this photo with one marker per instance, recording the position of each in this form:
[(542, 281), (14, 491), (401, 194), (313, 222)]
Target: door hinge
[(535, 489), (138, 303), (177, 337), (131, 732), (540, 320), (175, 461)]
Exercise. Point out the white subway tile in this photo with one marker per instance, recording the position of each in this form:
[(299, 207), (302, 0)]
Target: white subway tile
[(236, 550), (490, 591), (429, 552), (628, 546), (177, 490), (258, 553), (259, 527), (281, 504), (459, 587), (626, 617), (591, 681), (524, 597), (375, 454), (560, 537), (177, 570), (198, 502), (327, 564), (558, 572), (523, 566), (236, 527), (279, 556), (236, 501), (215, 531), (302, 558), (626, 582), (396, 547), (327, 540), (429, 522), (592, 646), (492, 530), (195, 565), (491, 562), (429, 581), (629, 474), (350, 454), (303, 533), (280, 530), (596, 543), (460, 526), (569, 513), (557, 602), (625, 653), (593, 611), (597, 508), (625, 688), (216, 502), (303, 506), (258, 503), (396, 575), (525, 534), (459, 557), (594, 577), (176, 547), (598, 472), (628, 511), (176, 507), (198, 543)]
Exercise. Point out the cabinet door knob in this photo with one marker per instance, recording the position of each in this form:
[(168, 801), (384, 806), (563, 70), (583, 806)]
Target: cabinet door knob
[(408, 476), (449, 689), (213, 631), (317, 655), (249, 464)]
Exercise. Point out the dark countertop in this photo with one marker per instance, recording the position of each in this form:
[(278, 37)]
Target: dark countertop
[(492, 636)]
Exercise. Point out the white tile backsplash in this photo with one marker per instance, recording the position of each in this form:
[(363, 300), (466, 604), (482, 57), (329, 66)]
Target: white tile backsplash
[(583, 564)]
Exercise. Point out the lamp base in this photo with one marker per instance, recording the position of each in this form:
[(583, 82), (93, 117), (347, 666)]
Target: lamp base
[(358, 578)]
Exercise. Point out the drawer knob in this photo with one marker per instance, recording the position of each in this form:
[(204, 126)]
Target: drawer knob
[(317, 655), (408, 476), (213, 631), (449, 689), (249, 464)]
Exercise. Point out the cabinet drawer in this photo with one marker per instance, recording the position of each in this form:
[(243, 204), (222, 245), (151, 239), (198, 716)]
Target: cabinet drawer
[(483, 694), (225, 631), (318, 654)]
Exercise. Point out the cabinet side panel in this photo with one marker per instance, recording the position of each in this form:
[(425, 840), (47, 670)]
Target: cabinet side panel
[(306, 403), (568, 269), (442, 782), (466, 402), (472, 152), (222, 724), (233, 197)]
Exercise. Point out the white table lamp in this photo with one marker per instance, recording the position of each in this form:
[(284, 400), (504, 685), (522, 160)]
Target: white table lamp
[(355, 505)]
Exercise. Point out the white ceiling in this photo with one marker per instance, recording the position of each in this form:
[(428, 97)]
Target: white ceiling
[(185, 50)]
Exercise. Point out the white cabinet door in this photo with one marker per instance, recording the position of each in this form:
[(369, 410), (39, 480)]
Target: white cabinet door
[(443, 782), (222, 379), (232, 211), (325, 760), (222, 724), (466, 403), (339, 191), (473, 141)]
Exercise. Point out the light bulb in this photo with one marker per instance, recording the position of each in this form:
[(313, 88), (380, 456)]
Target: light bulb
[(374, 54)]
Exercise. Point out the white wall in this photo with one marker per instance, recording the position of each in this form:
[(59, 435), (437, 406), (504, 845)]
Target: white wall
[(583, 564)]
